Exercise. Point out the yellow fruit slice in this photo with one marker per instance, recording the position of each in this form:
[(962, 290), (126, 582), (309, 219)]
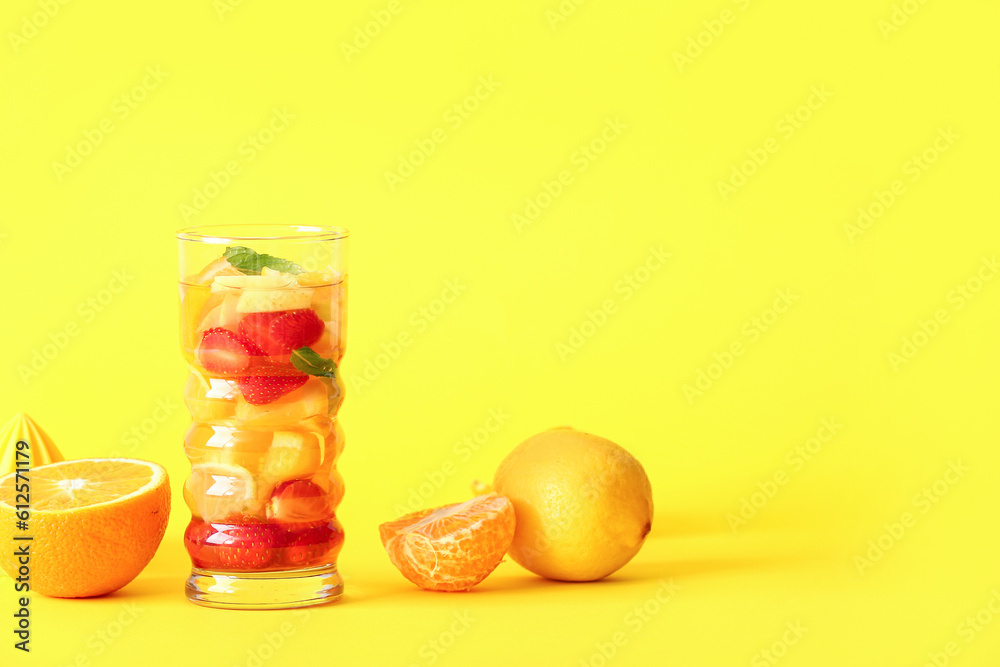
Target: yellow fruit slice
[(193, 305), (37, 450), (327, 343), (327, 294), (310, 399), (219, 443), (95, 523), (200, 306), (219, 267), (269, 301), (292, 455), (215, 491), (269, 292), (332, 483), (267, 280), (317, 278), (210, 399), (220, 311)]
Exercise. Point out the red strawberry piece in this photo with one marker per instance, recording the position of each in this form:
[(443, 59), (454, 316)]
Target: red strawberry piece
[(294, 329), (256, 327), (224, 352), (263, 389), (271, 367), (298, 500), (243, 546), (311, 544), (195, 538)]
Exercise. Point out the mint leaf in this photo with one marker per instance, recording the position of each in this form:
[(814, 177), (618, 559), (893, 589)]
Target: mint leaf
[(251, 263), (308, 361)]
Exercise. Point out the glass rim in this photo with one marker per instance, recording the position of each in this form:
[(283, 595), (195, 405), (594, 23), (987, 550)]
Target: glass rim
[(261, 232)]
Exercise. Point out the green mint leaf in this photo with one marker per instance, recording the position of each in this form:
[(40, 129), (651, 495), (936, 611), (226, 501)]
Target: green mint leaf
[(308, 361), (251, 263)]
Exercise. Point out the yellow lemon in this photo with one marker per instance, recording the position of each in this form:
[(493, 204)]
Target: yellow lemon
[(94, 523), (583, 504)]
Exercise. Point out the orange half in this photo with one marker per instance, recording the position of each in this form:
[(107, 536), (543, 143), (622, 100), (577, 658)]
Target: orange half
[(451, 548), (93, 524)]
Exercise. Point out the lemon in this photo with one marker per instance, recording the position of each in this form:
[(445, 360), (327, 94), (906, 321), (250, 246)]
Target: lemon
[(583, 504)]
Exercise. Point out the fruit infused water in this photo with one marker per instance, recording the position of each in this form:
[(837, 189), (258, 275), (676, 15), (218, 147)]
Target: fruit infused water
[(263, 334)]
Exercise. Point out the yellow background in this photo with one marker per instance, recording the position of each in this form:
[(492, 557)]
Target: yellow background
[(687, 125)]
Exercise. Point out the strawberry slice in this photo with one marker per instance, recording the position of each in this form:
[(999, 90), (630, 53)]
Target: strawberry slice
[(279, 332), (298, 500), (195, 537), (306, 545), (263, 389), (224, 352), (294, 329), (241, 546), (256, 327)]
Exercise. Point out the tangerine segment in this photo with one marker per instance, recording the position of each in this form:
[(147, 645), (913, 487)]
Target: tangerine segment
[(96, 523), (451, 548)]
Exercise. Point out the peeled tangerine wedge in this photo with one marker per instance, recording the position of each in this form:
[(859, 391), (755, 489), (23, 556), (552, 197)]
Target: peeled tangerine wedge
[(37, 450), (451, 548), (95, 523), (214, 491)]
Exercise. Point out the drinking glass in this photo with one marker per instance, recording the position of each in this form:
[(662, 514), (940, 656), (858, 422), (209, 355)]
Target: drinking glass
[(263, 329)]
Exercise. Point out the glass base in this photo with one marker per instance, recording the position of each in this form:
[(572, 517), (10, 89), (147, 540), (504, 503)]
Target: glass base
[(265, 590)]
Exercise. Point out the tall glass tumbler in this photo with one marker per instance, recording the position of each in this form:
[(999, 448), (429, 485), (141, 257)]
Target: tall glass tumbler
[(263, 324)]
